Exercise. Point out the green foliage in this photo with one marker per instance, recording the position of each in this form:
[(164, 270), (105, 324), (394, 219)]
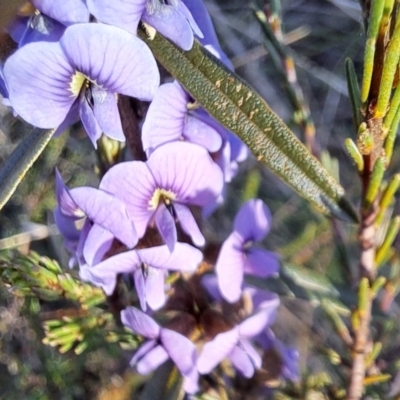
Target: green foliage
[(239, 108)]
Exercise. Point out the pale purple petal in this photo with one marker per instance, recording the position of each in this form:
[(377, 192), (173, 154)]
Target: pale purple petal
[(152, 360), (113, 58), (202, 17), (230, 268), (239, 151), (166, 225), (210, 282), (253, 325), (134, 184), (106, 112), (262, 299), (182, 9), (251, 352), (79, 248), (3, 88), (241, 361), (38, 27), (38, 77), (188, 171), (140, 287), (67, 12), (261, 262), (190, 382), (253, 221), (166, 116), (189, 224), (89, 121), (66, 204), (140, 323), (107, 211), (66, 225), (197, 131), (216, 350), (97, 243), (105, 273), (121, 13), (155, 288), (142, 351), (183, 258), (181, 350), (171, 24), (71, 118)]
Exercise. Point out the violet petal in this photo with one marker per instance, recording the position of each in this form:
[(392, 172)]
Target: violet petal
[(107, 211), (189, 224), (97, 243), (183, 258), (139, 322), (181, 350), (121, 13), (165, 118), (38, 77), (106, 112), (105, 273), (188, 171), (166, 225), (155, 288), (89, 121), (229, 268), (67, 13), (152, 360), (253, 221), (261, 262), (241, 361), (112, 58), (134, 184), (216, 350), (171, 24), (140, 287)]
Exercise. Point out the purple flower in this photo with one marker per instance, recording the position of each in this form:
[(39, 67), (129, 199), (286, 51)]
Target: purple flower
[(169, 118), (159, 190), (148, 267), (169, 17), (163, 344), (102, 216), (289, 356), (3, 87), (35, 28), (66, 12), (237, 257), (202, 17), (235, 344), (51, 82)]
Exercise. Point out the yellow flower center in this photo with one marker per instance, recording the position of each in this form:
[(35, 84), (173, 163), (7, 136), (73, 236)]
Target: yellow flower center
[(77, 81), (161, 195)]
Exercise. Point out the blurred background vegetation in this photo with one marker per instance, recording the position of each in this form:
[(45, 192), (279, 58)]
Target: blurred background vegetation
[(319, 256)]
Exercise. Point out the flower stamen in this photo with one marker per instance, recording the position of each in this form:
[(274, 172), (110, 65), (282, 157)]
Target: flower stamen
[(161, 195)]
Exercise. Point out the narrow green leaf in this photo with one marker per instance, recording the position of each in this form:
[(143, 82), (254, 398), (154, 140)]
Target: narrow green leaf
[(389, 72), (239, 108), (20, 161), (376, 179), (373, 29), (392, 232), (388, 197), (354, 92), (355, 154)]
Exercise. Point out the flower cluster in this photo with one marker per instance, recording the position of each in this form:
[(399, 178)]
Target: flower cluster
[(142, 227)]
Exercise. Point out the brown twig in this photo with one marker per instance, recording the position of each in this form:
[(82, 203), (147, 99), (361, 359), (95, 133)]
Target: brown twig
[(130, 112), (367, 269)]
